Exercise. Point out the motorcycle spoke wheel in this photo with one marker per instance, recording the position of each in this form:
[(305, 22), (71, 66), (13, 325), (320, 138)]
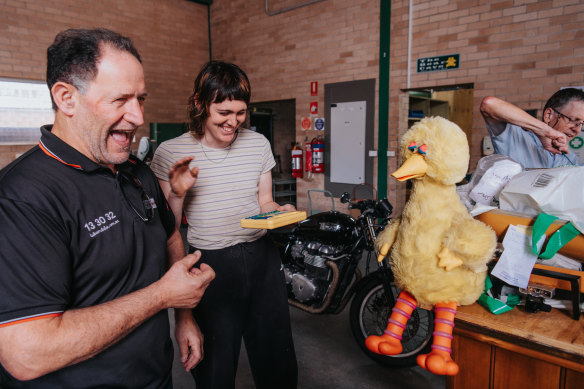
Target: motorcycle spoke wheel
[(370, 310)]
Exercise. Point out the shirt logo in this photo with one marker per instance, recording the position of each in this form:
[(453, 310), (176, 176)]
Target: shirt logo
[(101, 223)]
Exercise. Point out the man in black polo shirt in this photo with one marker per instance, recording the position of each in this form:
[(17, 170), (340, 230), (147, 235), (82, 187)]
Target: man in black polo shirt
[(85, 232)]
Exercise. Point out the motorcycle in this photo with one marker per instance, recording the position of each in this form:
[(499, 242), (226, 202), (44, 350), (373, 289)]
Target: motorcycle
[(321, 257)]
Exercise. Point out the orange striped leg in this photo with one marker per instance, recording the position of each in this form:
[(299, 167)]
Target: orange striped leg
[(390, 342), (439, 361)]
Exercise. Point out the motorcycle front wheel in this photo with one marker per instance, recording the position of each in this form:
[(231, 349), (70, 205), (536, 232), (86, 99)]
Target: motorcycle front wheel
[(370, 310)]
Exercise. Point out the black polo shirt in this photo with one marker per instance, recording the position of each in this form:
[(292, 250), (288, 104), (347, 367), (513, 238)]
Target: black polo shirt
[(72, 235)]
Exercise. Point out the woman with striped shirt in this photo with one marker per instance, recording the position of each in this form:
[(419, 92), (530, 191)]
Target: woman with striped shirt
[(220, 173)]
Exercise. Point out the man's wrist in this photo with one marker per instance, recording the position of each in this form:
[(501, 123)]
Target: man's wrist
[(182, 314)]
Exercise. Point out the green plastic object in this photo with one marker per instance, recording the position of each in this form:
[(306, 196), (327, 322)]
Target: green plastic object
[(494, 305), (558, 240)]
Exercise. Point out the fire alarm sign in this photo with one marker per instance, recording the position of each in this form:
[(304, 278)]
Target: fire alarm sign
[(314, 108)]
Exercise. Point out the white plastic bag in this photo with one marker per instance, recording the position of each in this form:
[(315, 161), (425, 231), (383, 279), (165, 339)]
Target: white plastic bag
[(557, 191), (492, 173)]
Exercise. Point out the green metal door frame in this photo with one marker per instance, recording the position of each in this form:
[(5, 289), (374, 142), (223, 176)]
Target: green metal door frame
[(384, 35)]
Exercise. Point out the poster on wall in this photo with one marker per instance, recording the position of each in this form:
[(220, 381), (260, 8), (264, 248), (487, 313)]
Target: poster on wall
[(306, 123), (319, 124), (443, 62), (314, 88), (314, 107)]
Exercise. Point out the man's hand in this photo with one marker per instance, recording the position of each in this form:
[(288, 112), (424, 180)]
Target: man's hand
[(554, 141), (183, 284), (189, 338), (34, 348), (181, 178)]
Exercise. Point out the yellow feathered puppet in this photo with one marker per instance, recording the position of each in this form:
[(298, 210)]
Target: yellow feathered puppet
[(439, 253)]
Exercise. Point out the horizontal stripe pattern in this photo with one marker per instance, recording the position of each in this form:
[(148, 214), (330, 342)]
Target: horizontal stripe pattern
[(30, 318), (226, 190)]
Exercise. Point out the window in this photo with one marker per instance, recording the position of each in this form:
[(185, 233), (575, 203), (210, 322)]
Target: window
[(24, 107)]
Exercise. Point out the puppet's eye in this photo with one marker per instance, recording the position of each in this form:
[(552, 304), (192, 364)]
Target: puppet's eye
[(413, 146)]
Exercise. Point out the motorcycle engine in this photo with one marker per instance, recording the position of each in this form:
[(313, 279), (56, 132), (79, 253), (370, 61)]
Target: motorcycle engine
[(307, 273)]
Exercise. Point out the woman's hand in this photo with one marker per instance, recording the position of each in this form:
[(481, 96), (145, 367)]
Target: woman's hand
[(286, 207), (181, 178)]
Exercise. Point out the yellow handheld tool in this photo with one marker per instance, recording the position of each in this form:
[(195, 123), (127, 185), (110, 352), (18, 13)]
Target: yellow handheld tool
[(273, 219)]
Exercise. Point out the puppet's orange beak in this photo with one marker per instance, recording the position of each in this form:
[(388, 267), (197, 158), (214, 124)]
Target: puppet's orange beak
[(413, 167)]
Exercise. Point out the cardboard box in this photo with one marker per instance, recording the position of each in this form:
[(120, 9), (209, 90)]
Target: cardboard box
[(499, 220)]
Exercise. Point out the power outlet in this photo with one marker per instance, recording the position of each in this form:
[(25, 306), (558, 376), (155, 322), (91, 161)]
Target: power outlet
[(488, 148)]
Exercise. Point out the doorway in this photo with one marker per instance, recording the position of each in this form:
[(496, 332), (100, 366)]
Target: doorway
[(276, 121), (454, 103)]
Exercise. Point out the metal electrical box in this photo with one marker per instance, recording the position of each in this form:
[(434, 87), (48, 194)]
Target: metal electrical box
[(348, 142)]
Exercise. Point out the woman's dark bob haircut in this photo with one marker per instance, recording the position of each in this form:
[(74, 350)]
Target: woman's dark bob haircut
[(217, 81)]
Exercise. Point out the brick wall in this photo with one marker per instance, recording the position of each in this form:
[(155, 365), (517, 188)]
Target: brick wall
[(328, 42), (170, 35), (522, 51)]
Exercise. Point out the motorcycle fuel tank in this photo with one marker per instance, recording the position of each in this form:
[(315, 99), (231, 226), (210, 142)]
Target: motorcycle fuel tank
[(330, 227)]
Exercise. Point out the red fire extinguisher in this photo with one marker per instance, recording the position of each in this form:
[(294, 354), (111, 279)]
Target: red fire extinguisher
[(308, 165), (317, 155), (296, 161)]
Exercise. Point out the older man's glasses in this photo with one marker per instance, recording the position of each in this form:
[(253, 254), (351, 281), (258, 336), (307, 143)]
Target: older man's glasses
[(573, 122), (135, 196)]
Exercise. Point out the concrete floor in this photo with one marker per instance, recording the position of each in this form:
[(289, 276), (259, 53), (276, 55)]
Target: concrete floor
[(329, 357)]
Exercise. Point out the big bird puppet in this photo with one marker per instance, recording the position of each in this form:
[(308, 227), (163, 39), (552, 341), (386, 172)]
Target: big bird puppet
[(439, 253)]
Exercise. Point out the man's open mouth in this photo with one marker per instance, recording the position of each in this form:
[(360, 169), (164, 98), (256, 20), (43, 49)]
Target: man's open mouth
[(122, 137)]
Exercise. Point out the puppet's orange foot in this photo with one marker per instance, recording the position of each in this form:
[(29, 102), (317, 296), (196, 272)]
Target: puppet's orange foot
[(384, 344), (438, 362)]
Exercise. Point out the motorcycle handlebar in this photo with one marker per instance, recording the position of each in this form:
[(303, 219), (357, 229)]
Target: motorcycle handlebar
[(381, 208)]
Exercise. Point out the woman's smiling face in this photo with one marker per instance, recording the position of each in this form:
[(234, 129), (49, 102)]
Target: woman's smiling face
[(223, 121)]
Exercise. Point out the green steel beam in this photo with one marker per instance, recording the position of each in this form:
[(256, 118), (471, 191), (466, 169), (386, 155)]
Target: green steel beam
[(382, 134)]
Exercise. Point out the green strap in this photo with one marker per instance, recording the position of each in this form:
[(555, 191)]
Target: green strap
[(494, 305), (558, 240)]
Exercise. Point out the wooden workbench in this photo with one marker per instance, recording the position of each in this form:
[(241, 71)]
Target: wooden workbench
[(517, 350)]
